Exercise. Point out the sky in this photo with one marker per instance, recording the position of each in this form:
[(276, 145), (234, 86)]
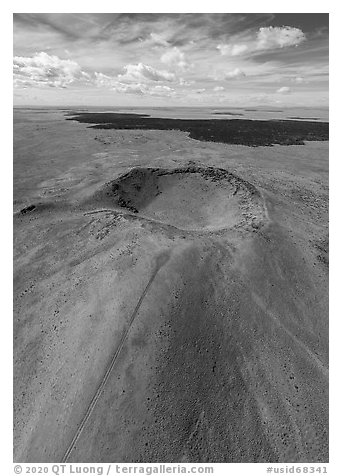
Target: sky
[(185, 59)]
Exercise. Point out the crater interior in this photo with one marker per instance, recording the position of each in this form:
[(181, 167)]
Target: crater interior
[(191, 198)]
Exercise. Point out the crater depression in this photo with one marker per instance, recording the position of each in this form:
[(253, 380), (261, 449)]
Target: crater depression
[(189, 198)]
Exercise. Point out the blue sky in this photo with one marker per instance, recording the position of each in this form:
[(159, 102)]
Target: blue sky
[(180, 59)]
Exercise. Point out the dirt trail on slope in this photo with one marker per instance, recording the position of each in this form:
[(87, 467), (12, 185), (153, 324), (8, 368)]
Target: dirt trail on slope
[(235, 373)]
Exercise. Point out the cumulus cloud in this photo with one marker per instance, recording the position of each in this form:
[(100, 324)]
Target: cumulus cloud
[(161, 90), (144, 89), (158, 40), (109, 82), (279, 37), (176, 59), (235, 74), (267, 38), (142, 73), (232, 50), (102, 80), (43, 69), (140, 88), (129, 88), (284, 90)]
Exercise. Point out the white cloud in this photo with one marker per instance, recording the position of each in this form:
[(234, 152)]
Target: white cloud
[(141, 88), (129, 88), (235, 74), (279, 37), (299, 80), (44, 70), (102, 80), (267, 38), (142, 73), (219, 88), (232, 50), (175, 58), (161, 90), (159, 40), (284, 90)]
